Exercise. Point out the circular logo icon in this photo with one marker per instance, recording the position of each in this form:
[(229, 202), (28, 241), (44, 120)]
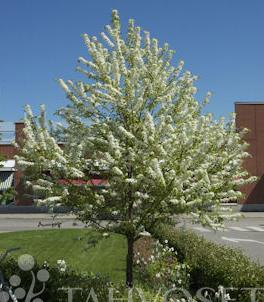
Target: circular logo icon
[(26, 262)]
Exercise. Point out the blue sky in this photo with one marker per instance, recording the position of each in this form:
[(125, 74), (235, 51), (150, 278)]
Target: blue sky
[(220, 41)]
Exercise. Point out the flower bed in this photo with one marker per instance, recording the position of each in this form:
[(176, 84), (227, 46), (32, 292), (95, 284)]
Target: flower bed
[(158, 267)]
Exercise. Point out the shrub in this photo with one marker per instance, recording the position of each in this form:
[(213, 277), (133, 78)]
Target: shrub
[(59, 279), (161, 269), (211, 264), (63, 277)]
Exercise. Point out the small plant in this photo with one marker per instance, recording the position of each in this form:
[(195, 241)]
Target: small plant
[(62, 266), (162, 269), (219, 296)]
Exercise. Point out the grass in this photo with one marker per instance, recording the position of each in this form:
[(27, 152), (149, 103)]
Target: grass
[(83, 250)]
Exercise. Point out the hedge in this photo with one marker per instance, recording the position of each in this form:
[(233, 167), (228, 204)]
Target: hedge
[(71, 279), (57, 280), (212, 264)]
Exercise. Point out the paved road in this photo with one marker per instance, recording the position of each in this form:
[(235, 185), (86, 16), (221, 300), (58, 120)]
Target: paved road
[(24, 222), (247, 234)]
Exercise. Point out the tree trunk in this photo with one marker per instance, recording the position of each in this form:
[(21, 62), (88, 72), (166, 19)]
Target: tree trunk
[(129, 264)]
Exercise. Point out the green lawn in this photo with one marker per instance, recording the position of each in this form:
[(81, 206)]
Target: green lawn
[(77, 247)]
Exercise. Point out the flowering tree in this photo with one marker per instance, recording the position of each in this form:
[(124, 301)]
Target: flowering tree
[(135, 121)]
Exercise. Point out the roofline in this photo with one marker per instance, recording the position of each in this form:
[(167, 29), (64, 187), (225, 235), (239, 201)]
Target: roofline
[(7, 169), (249, 103), (13, 122)]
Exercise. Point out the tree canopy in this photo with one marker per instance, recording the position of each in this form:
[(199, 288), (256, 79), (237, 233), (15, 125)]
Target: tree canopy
[(135, 121)]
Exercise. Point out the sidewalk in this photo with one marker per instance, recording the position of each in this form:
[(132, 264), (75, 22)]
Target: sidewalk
[(253, 214), (37, 216)]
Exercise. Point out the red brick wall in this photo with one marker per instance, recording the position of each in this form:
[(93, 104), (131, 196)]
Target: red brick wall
[(19, 126), (251, 116), (7, 150)]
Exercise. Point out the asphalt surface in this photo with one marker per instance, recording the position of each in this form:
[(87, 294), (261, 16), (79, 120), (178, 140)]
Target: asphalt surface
[(247, 234), (26, 222)]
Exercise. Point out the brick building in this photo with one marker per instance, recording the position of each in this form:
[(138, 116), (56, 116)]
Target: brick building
[(249, 115), (8, 172)]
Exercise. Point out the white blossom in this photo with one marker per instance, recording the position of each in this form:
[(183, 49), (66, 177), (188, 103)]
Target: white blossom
[(134, 121)]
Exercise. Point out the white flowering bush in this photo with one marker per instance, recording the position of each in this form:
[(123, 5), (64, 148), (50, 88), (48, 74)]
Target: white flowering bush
[(218, 296), (62, 266), (222, 296), (162, 270), (134, 120)]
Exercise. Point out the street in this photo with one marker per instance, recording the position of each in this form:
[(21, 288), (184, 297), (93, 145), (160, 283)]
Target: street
[(247, 234)]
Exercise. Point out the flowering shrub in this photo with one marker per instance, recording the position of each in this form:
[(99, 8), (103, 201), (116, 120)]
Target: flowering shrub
[(162, 269), (61, 265), (219, 296)]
